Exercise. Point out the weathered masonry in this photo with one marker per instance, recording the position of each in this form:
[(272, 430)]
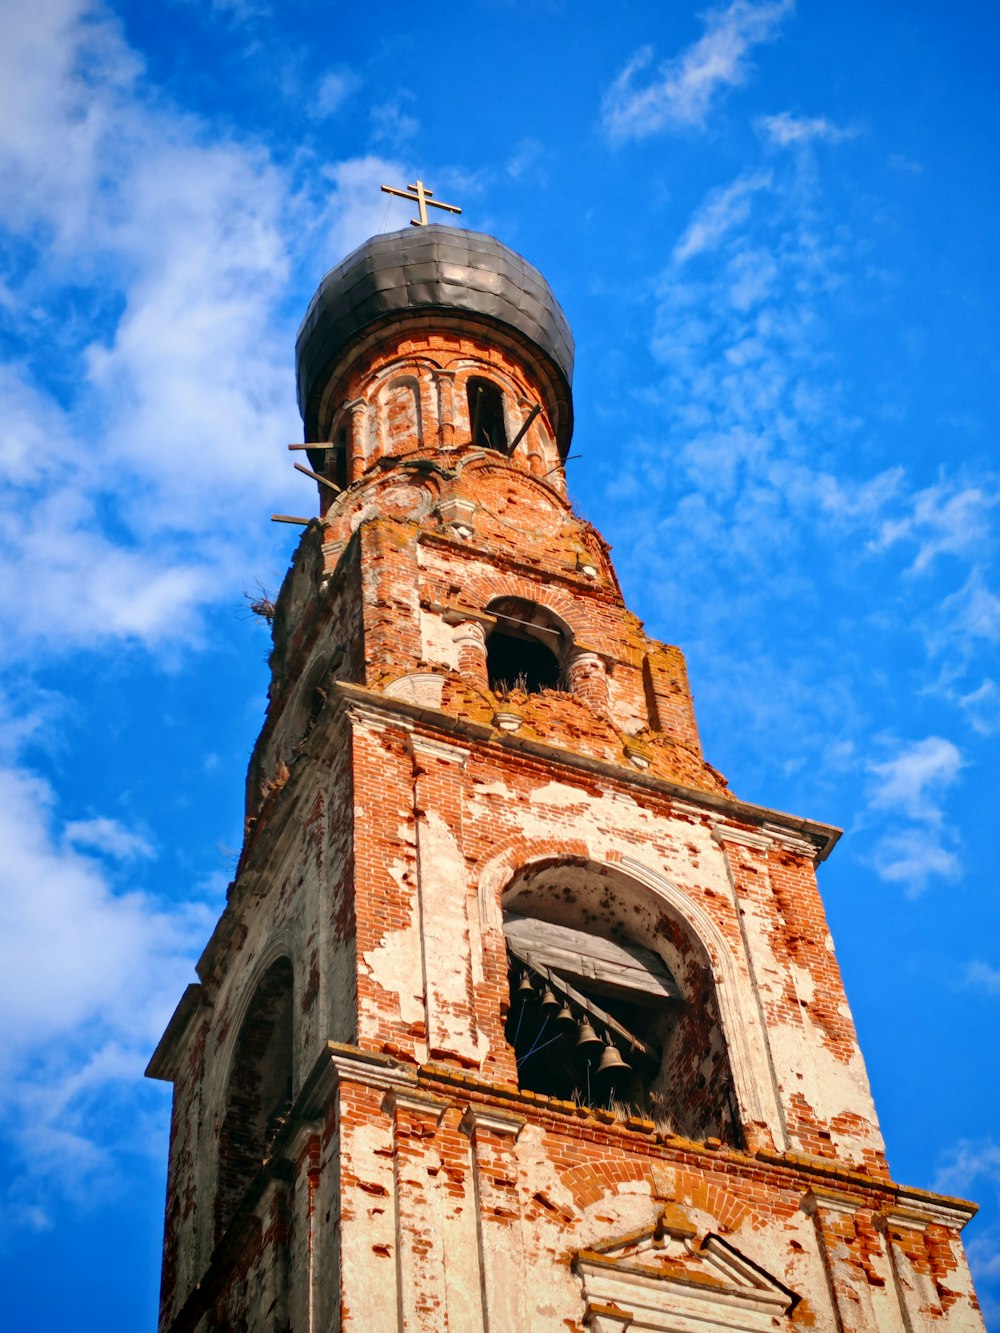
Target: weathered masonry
[(516, 1017)]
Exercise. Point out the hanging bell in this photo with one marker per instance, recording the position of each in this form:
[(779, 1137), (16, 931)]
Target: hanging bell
[(586, 1036), (524, 987), (549, 1001), (611, 1062), (565, 1017)]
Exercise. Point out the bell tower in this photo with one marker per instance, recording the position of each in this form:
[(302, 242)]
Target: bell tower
[(516, 1017)]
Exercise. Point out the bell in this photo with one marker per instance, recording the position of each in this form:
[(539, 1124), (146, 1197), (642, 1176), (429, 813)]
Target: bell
[(549, 1001), (612, 1062), (565, 1017), (587, 1036), (524, 987)]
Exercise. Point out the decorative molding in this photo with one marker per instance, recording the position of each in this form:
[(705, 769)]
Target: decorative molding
[(660, 1279), (833, 1201), (419, 687), (437, 749), (415, 1101), (723, 833), (368, 702), (501, 1123)]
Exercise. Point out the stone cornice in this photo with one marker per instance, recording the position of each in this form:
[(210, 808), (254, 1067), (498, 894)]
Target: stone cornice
[(162, 1063), (806, 835)]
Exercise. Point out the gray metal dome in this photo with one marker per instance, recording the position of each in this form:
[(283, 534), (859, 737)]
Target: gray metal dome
[(431, 268)]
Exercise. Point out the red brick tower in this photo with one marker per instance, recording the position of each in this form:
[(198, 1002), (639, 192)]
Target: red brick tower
[(516, 1018)]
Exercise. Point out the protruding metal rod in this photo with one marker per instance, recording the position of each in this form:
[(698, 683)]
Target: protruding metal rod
[(323, 444), (289, 518), (323, 481), (562, 463), (523, 431)]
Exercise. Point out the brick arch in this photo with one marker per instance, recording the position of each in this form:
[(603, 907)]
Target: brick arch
[(484, 587), (590, 1183), (237, 1004), (400, 413), (258, 1088), (480, 462), (739, 1013)]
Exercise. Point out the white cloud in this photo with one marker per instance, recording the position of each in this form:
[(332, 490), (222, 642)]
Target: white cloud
[(983, 977), (785, 129), (974, 610), (356, 208), (683, 90), (911, 786), (335, 88), (981, 707), (912, 781), (913, 856), (108, 837), (945, 519), (391, 124), (526, 159), (89, 975), (969, 1161), (119, 504), (722, 211), (128, 974)]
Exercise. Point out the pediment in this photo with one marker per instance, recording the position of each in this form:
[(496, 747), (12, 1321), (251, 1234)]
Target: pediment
[(668, 1277)]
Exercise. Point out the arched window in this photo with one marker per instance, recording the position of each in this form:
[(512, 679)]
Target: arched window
[(612, 1002), (524, 650), (259, 1092), (486, 418)]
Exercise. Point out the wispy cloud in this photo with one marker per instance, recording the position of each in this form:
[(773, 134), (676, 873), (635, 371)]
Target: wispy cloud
[(982, 977), (682, 91), (107, 837), (915, 856), (973, 611), (757, 479), (335, 87), (911, 786), (969, 1161), (945, 519), (146, 262), (784, 129), (178, 246), (912, 781), (723, 210), (391, 124), (95, 1011)]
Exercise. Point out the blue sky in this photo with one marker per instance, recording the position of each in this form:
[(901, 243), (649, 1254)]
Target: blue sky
[(772, 227)]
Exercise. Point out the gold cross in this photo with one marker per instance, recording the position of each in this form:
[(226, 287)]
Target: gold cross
[(423, 197)]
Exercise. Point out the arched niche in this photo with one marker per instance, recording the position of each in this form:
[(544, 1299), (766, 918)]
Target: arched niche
[(526, 647), (593, 954), (258, 1090), (400, 416)]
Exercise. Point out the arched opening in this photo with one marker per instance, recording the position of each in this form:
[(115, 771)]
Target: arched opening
[(488, 428), (612, 1001), (524, 649), (259, 1092)]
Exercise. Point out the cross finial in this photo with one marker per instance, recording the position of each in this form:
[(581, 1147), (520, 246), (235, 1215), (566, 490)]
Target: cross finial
[(423, 197)]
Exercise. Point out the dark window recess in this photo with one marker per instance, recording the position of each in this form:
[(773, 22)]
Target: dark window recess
[(486, 414), (586, 1015), (515, 663), (259, 1093), (602, 1022)]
